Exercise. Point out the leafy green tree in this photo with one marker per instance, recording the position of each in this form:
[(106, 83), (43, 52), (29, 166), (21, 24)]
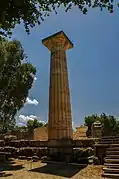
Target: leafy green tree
[(32, 124), (16, 78), (116, 128), (32, 12), (20, 128), (109, 123)]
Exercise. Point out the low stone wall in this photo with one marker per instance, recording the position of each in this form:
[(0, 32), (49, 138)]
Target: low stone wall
[(30, 148), (37, 143), (23, 143), (89, 142), (29, 135)]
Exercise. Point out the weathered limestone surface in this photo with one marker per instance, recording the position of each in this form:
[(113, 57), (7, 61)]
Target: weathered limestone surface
[(60, 118), (96, 129)]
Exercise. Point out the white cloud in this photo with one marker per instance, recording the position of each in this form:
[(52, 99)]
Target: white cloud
[(73, 126), (33, 117), (35, 78), (29, 101), (22, 120)]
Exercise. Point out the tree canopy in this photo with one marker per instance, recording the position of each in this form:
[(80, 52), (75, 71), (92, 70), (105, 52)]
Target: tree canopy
[(109, 123), (32, 124), (32, 12), (16, 78)]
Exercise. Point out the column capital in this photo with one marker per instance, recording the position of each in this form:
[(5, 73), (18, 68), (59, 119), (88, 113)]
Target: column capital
[(57, 41)]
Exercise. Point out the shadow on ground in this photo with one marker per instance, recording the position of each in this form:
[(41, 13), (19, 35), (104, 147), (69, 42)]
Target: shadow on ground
[(9, 166), (3, 174), (64, 170)]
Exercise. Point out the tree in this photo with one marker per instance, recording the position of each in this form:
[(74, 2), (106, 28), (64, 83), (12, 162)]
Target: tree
[(32, 12), (109, 123), (16, 78), (20, 128), (32, 124)]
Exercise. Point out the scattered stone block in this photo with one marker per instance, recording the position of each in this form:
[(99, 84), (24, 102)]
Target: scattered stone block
[(9, 149), (93, 160), (29, 158), (2, 174), (44, 158), (35, 158), (22, 157)]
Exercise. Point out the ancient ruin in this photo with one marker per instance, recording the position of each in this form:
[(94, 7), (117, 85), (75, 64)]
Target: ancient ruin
[(58, 139), (60, 119), (96, 129)]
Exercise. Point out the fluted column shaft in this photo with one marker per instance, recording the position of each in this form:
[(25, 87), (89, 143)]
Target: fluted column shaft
[(60, 119)]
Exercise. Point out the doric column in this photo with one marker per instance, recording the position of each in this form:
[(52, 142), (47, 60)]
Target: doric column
[(60, 118)]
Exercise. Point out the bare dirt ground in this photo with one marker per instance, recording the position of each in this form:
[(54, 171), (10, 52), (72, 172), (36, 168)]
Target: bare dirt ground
[(19, 169)]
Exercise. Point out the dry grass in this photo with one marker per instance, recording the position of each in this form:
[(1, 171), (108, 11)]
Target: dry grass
[(91, 171)]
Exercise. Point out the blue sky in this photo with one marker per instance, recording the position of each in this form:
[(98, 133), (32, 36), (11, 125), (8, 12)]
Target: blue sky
[(93, 63)]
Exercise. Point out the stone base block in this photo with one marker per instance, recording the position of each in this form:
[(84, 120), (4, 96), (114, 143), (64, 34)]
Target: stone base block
[(60, 150)]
